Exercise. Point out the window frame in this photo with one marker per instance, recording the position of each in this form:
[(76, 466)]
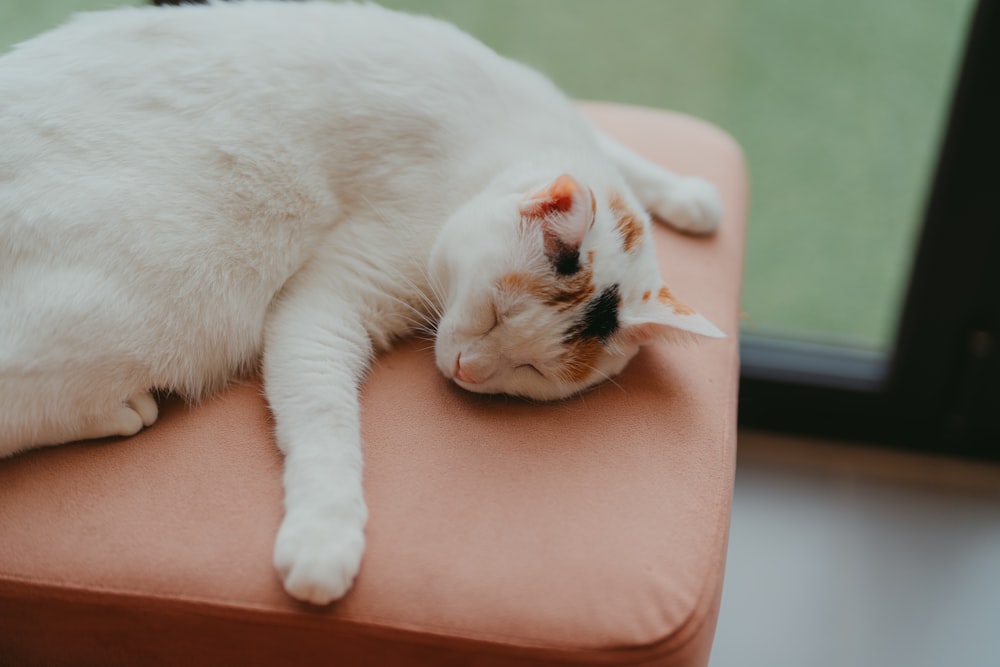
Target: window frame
[(938, 389)]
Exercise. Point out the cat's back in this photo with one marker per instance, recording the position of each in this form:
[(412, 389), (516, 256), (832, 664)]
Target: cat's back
[(264, 40), (257, 102), (268, 56), (137, 87), (209, 149)]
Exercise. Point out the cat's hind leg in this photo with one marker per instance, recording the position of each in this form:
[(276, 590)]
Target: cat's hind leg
[(128, 418), (122, 419), (687, 203)]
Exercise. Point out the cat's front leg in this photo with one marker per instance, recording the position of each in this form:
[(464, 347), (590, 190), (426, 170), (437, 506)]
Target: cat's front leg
[(316, 352), (687, 203)]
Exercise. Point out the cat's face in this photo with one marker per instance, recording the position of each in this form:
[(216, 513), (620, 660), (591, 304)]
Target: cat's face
[(550, 292)]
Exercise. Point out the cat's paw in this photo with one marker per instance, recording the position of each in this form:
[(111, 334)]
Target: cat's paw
[(693, 205), (318, 558), (145, 406), (139, 411)]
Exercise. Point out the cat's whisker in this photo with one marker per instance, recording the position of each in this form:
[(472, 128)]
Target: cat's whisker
[(430, 301), (566, 376), (419, 327), (424, 334), (434, 301), (436, 289), (418, 291), (607, 378), (422, 319)]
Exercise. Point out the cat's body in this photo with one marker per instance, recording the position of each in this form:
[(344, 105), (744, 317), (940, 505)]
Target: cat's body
[(184, 192)]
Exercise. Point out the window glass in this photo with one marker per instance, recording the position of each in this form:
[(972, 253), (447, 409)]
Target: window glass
[(839, 107), (23, 19)]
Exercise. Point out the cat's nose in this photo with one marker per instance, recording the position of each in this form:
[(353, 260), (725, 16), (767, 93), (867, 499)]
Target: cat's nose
[(469, 373), (462, 374)]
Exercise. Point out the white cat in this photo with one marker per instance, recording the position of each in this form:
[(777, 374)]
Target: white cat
[(185, 192)]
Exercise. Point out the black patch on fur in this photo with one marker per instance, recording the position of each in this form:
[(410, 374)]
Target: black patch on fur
[(600, 320), (565, 259)]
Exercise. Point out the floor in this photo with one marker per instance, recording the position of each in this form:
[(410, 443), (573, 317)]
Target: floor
[(857, 557)]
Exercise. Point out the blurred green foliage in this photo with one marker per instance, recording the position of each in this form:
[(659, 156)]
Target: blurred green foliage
[(839, 106)]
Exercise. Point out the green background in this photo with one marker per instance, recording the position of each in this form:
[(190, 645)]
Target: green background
[(839, 107)]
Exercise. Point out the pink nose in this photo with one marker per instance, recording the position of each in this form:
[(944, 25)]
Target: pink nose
[(462, 374)]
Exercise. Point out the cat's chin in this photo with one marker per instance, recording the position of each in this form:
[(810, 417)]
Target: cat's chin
[(526, 382), (543, 391)]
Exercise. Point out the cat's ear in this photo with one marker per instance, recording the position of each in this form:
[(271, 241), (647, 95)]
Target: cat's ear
[(662, 316), (565, 210)]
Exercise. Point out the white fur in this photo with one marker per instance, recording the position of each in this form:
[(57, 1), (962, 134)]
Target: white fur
[(186, 191)]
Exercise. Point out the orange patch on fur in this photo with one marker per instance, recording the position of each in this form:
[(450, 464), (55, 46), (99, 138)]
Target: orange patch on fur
[(577, 291), (666, 297), (629, 224), (564, 187), (579, 359), (616, 202), (556, 198), (518, 282), (646, 295), (630, 230), (561, 292)]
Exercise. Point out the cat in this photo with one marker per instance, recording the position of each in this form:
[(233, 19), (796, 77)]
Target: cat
[(190, 194)]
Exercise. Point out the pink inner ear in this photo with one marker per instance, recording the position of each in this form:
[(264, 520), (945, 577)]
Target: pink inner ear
[(562, 191), (564, 213), (557, 197)]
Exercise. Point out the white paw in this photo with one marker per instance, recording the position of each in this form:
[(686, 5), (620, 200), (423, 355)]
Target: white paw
[(124, 420), (145, 406), (316, 557), (693, 205)]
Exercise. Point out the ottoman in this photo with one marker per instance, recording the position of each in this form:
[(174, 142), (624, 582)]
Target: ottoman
[(501, 532)]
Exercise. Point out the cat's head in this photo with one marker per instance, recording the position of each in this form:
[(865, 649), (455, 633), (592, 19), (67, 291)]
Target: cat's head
[(550, 291)]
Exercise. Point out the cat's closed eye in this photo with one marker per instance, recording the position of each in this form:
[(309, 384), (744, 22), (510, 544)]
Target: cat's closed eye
[(486, 320), (530, 367)]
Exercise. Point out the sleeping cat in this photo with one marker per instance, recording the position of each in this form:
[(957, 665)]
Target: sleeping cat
[(186, 193)]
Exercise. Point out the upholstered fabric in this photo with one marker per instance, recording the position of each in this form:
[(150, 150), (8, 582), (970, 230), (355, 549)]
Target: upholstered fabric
[(502, 532)]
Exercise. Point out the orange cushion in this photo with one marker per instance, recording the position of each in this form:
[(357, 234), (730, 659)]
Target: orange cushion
[(588, 530)]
